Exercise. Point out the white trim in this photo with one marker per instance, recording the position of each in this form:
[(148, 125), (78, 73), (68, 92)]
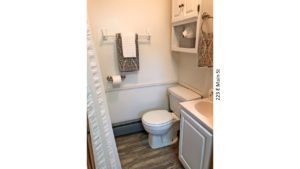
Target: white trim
[(139, 85)]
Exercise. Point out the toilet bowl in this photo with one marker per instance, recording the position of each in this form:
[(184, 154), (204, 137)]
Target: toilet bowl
[(162, 125)]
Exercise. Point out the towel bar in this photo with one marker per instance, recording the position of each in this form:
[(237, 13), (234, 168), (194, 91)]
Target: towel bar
[(109, 78), (105, 35)]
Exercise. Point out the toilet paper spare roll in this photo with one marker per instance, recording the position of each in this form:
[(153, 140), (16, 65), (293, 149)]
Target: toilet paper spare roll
[(116, 80), (189, 32)]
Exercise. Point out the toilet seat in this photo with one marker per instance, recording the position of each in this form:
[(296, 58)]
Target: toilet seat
[(157, 118)]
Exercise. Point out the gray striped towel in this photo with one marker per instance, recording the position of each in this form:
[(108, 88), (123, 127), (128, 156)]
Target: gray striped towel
[(127, 64)]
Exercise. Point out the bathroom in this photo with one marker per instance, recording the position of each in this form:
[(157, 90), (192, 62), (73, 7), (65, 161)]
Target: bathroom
[(59, 109), (164, 69)]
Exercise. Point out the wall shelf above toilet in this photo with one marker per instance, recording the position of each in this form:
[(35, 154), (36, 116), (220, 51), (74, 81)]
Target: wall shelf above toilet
[(185, 18)]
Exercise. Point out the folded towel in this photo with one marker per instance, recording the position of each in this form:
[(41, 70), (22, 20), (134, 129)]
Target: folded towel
[(128, 45), (127, 64)]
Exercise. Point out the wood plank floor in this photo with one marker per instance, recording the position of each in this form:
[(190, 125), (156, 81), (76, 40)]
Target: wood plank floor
[(135, 153)]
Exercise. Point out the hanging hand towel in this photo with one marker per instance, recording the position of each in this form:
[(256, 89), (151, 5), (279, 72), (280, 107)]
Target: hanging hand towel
[(128, 52), (205, 48)]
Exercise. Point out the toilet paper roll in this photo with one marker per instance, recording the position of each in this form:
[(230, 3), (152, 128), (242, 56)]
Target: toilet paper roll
[(189, 32), (116, 80)]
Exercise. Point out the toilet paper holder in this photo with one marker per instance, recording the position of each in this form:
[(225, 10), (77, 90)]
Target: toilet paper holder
[(109, 78)]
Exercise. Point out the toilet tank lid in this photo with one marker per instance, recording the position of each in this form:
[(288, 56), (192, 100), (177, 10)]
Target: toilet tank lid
[(183, 93)]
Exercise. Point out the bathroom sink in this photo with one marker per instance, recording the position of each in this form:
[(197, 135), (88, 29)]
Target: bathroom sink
[(201, 110), (205, 108)]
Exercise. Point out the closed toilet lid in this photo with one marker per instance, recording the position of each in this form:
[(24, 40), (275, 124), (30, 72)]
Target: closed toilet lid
[(157, 117)]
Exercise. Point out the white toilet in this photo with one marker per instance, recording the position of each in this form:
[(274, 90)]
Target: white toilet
[(162, 125)]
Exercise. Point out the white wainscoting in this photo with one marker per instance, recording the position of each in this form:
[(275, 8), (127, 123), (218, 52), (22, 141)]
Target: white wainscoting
[(132, 101)]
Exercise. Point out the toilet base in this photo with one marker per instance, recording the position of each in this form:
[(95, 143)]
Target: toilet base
[(169, 138), (158, 141)]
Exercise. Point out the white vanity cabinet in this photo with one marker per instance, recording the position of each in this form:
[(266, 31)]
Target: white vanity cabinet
[(184, 9), (195, 145)]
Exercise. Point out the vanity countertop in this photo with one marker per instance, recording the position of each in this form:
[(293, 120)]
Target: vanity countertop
[(191, 108)]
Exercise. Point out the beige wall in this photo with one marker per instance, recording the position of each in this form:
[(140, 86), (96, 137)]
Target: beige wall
[(157, 67), (200, 79), (156, 63)]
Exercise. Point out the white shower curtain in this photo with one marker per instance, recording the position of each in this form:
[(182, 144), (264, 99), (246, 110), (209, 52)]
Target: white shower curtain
[(104, 145)]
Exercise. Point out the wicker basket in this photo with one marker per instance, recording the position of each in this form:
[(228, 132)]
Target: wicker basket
[(187, 42)]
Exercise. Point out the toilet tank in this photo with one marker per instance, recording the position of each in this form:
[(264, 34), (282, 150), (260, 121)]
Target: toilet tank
[(179, 94)]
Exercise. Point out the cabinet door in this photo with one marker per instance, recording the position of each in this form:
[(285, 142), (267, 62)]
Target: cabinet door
[(195, 144), (177, 12), (191, 8)]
